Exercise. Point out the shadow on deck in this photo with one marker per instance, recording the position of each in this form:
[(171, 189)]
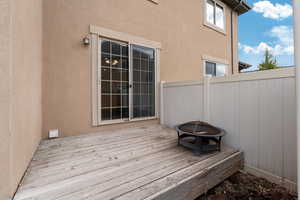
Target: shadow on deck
[(131, 164)]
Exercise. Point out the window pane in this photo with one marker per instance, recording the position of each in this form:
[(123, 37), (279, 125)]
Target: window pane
[(116, 87), (144, 77), (144, 55), (125, 63), (136, 64), (136, 53), (116, 61), (125, 100), (136, 100), (125, 113), (105, 114), (105, 73), (144, 65), (136, 76), (210, 12), (151, 65), (116, 101), (210, 68), (105, 87), (136, 111), (116, 48), (116, 113), (105, 46), (221, 69), (144, 111), (219, 17), (144, 88), (125, 75), (105, 101), (116, 75), (150, 77), (125, 88), (105, 60), (125, 51), (136, 88)]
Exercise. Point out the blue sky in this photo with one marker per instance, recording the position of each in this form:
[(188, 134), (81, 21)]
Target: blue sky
[(268, 25)]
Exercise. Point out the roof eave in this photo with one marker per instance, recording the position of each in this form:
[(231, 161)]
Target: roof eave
[(240, 6)]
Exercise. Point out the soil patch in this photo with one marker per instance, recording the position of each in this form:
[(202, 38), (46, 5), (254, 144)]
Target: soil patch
[(243, 186)]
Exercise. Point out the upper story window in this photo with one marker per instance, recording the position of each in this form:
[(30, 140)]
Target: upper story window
[(215, 69), (215, 14)]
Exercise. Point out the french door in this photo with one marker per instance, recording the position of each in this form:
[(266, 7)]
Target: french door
[(127, 81)]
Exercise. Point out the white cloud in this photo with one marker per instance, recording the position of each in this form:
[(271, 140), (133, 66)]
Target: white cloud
[(284, 34), (283, 43), (275, 50), (273, 11)]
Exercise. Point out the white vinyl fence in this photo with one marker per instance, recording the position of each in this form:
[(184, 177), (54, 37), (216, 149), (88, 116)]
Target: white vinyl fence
[(257, 109)]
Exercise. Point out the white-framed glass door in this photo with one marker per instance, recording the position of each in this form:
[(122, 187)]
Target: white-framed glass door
[(142, 71), (114, 77), (127, 81)]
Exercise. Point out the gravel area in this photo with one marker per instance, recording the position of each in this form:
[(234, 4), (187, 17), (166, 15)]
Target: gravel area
[(243, 186)]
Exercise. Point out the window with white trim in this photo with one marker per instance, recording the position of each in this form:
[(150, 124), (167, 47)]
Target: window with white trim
[(215, 14), (215, 69)]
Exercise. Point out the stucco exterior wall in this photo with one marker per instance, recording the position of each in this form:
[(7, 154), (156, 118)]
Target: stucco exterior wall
[(26, 109), (176, 24), (5, 41), (20, 93)]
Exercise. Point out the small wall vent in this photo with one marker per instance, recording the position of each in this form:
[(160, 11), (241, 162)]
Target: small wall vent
[(53, 134)]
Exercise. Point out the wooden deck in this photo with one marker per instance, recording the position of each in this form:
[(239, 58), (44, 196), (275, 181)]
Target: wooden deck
[(128, 164)]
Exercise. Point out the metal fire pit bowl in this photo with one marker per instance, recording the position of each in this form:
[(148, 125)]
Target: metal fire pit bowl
[(200, 137)]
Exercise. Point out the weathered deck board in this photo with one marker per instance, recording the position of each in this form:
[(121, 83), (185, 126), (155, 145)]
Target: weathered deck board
[(134, 163)]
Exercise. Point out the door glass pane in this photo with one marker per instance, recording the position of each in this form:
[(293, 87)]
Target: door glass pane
[(143, 72), (116, 74), (116, 61), (106, 114), (105, 46), (105, 60), (114, 80), (116, 101), (105, 101), (106, 87), (125, 112), (116, 48), (105, 74), (116, 113)]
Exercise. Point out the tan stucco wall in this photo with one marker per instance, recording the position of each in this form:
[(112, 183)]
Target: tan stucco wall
[(4, 97), (20, 89), (176, 24)]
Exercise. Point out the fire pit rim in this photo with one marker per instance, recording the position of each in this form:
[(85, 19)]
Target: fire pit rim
[(222, 131)]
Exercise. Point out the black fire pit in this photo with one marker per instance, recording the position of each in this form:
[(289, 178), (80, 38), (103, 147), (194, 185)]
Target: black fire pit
[(199, 136)]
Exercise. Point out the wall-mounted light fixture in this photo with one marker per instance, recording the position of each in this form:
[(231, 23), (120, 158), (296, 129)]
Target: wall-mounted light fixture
[(86, 41)]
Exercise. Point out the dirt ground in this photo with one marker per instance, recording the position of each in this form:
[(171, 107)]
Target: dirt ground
[(243, 186)]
